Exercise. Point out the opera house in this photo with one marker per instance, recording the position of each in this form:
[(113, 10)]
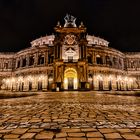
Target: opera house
[(69, 60)]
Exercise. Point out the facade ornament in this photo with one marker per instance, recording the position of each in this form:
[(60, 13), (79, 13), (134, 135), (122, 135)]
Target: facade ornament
[(69, 21), (58, 24), (81, 25)]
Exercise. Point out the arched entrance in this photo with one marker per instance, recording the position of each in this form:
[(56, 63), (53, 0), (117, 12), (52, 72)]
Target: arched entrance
[(70, 79)]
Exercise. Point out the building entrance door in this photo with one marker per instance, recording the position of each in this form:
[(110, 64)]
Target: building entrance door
[(70, 83), (70, 79)]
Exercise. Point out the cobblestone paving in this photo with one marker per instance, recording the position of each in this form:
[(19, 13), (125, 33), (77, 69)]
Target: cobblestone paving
[(70, 116)]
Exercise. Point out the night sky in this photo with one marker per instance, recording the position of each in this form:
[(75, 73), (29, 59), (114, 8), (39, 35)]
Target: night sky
[(22, 21)]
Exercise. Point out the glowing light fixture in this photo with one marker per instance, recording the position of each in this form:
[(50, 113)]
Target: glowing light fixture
[(41, 77), (125, 79), (90, 79), (29, 78), (20, 79), (66, 81), (110, 77), (119, 78), (99, 77)]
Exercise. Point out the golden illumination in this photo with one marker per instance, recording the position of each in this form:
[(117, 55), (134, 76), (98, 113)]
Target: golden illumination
[(119, 78), (70, 73), (110, 78), (99, 77)]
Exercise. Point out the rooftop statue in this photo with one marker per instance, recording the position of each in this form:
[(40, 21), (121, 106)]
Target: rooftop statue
[(69, 21)]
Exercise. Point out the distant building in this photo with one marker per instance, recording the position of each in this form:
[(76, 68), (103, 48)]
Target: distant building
[(69, 60)]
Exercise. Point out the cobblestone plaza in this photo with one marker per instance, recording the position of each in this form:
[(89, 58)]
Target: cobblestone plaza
[(70, 116)]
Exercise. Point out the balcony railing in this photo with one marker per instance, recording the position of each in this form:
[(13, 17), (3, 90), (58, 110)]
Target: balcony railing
[(70, 60)]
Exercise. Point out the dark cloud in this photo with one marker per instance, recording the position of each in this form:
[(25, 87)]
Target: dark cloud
[(22, 21)]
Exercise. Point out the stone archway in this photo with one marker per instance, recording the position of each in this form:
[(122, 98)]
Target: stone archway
[(70, 79)]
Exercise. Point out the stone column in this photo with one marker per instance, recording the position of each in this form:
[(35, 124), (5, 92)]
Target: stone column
[(103, 57), (27, 59), (35, 83), (46, 57), (36, 59), (79, 52), (60, 52), (45, 83), (21, 61), (26, 85), (95, 57)]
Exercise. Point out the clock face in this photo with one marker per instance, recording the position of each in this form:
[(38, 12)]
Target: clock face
[(70, 39)]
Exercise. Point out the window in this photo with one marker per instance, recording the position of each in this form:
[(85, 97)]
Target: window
[(18, 64), (24, 62), (70, 59), (89, 59), (41, 60), (6, 65), (108, 61), (99, 60), (31, 60), (50, 59)]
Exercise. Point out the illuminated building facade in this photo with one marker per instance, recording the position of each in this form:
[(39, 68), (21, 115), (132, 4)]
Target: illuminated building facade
[(69, 60)]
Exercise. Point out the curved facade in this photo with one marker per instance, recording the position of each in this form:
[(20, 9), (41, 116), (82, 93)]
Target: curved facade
[(69, 60)]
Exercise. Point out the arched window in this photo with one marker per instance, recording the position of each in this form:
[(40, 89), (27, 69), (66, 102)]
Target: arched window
[(115, 61), (39, 85), (89, 58), (24, 62), (30, 85), (50, 58), (108, 61), (6, 65), (99, 59), (31, 60), (40, 59), (18, 64)]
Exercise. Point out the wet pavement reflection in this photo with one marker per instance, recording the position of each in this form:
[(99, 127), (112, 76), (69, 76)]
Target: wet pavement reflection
[(69, 110)]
